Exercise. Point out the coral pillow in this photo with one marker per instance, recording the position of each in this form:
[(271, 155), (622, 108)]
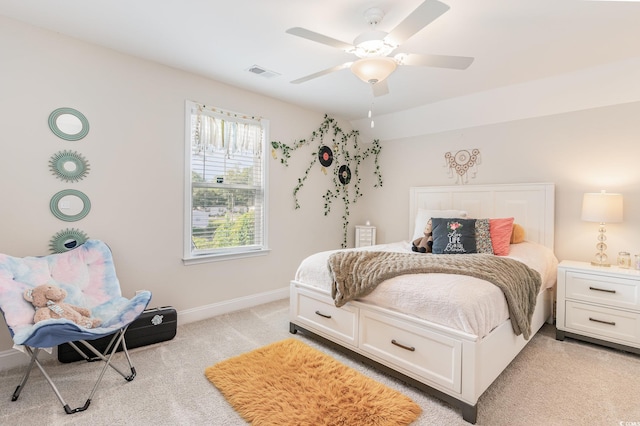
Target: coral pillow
[(500, 230)]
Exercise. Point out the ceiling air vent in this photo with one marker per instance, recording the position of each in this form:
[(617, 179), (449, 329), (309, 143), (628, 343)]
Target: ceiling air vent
[(262, 72)]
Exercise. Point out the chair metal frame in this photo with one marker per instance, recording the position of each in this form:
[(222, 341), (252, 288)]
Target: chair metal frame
[(118, 339)]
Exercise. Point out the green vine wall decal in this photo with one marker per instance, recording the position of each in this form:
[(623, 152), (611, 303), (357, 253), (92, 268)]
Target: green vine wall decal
[(340, 152)]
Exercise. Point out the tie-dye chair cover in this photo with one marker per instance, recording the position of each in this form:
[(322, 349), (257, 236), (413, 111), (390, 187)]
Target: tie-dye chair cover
[(88, 275)]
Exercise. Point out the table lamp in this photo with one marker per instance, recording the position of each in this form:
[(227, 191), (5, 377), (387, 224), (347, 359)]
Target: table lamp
[(602, 207)]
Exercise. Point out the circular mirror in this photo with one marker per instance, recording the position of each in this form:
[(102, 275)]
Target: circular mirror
[(68, 124), (68, 166), (70, 205), (66, 240)]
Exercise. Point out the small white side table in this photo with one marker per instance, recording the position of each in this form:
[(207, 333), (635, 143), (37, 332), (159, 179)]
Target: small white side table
[(365, 235)]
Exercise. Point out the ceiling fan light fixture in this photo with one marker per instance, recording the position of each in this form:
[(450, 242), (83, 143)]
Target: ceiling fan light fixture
[(372, 44), (373, 70), (401, 58)]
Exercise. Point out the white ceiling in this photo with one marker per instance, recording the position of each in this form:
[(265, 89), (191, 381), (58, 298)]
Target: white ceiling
[(513, 41)]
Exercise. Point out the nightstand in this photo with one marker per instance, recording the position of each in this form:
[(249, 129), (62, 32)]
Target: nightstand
[(599, 305), (365, 236)]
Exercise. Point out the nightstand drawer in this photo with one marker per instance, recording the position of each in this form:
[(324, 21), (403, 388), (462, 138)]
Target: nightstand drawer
[(606, 290), (602, 321), (366, 234)]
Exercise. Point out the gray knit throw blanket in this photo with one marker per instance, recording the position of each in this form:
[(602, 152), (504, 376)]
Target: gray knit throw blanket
[(357, 273)]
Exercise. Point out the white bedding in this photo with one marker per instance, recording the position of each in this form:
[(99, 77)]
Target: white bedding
[(465, 303)]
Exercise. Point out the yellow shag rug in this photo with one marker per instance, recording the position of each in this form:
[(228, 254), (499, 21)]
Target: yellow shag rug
[(290, 383)]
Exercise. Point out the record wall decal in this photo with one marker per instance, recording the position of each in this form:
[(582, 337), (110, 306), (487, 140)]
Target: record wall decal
[(325, 155), (344, 174)]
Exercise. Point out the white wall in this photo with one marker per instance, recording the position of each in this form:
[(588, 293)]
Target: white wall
[(135, 184), (582, 151)]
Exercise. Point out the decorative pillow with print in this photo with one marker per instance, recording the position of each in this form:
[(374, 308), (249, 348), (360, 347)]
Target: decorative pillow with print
[(454, 236), (483, 237), (424, 215)]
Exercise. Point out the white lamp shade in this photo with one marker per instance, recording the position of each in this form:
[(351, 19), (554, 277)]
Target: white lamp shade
[(373, 70), (603, 207)]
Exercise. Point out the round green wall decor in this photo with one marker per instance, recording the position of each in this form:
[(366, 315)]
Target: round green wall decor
[(68, 124), (69, 166), (57, 212), (66, 240)]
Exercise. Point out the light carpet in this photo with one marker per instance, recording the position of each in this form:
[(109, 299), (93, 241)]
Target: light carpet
[(551, 383), (290, 383)]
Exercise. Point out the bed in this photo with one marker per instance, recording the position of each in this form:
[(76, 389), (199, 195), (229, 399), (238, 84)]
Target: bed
[(453, 346)]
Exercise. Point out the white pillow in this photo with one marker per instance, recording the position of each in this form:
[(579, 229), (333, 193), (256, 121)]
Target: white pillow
[(423, 216)]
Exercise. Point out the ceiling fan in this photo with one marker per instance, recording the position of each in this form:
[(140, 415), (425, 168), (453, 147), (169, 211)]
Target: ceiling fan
[(374, 47)]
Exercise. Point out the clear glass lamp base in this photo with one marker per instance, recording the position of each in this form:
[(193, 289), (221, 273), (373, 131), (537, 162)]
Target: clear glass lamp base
[(601, 258)]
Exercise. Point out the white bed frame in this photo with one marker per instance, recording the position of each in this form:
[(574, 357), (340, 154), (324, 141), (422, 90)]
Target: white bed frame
[(451, 365)]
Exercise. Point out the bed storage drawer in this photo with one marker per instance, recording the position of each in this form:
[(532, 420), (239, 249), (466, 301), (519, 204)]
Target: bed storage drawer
[(432, 356), (319, 313), (601, 321)]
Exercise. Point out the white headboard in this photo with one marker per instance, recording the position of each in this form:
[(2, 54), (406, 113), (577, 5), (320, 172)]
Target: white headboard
[(530, 204)]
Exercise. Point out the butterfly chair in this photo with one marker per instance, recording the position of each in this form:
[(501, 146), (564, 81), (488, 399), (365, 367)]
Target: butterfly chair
[(88, 275)]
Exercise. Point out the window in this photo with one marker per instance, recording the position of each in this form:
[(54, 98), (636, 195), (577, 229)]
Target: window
[(225, 184)]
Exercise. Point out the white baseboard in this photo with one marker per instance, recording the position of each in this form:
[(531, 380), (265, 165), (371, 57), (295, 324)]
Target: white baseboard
[(208, 311), (13, 358)]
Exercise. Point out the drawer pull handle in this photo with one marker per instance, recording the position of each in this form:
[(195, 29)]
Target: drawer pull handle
[(602, 322), (323, 315), (409, 348), (602, 289)]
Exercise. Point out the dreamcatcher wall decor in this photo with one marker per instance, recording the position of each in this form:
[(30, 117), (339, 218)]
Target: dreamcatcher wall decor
[(339, 154), (462, 163)]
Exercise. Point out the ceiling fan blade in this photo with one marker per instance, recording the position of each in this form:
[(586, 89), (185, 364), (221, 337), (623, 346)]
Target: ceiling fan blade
[(439, 61), (380, 88), (422, 16), (319, 38), (321, 73)]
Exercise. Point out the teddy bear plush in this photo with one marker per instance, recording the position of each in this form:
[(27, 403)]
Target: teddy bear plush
[(424, 243), (48, 301)]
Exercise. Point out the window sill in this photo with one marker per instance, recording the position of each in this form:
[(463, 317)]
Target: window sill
[(207, 258)]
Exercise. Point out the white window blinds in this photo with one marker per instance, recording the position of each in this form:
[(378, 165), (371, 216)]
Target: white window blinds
[(227, 207)]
